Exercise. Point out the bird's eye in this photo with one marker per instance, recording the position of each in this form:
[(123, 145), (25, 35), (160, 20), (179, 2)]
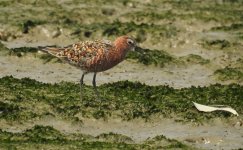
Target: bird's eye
[(130, 42)]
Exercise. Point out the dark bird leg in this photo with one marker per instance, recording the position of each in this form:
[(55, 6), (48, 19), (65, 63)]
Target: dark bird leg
[(81, 85), (95, 88)]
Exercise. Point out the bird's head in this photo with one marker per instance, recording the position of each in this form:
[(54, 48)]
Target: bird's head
[(125, 43)]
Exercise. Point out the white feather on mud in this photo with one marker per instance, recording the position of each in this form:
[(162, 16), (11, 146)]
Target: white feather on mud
[(205, 108)]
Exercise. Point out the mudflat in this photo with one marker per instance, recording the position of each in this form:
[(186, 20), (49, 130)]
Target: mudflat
[(188, 51)]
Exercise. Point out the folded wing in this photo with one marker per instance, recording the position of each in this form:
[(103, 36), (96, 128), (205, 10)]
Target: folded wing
[(82, 54)]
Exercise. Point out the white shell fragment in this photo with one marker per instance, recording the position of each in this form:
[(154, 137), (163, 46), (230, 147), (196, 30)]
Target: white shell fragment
[(205, 108)]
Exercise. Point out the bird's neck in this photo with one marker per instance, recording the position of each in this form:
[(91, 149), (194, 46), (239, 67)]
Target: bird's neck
[(117, 55), (121, 52), (120, 48)]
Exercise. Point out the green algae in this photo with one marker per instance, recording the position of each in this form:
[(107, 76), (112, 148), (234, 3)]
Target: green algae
[(122, 99), (28, 24), (49, 138), (83, 22), (149, 15), (9, 111), (148, 57), (216, 44), (2, 47), (219, 12), (117, 28), (37, 134), (229, 73), (3, 50), (232, 27), (164, 143), (91, 18), (113, 137), (196, 59), (189, 11), (22, 51)]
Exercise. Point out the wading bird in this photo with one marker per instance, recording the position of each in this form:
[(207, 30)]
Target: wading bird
[(94, 56)]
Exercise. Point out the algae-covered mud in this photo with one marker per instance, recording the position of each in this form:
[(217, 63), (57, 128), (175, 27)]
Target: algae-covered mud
[(188, 51)]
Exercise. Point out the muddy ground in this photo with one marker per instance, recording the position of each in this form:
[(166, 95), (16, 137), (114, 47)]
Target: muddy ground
[(191, 51)]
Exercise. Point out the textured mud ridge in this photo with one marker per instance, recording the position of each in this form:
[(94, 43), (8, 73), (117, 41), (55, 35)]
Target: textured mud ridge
[(125, 99), (48, 138)]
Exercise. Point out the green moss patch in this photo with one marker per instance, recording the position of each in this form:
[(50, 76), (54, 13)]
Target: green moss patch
[(47, 137), (240, 35), (123, 99), (218, 12), (229, 73), (2, 47), (196, 59), (8, 110), (149, 57), (113, 137), (22, 51), (150, 15), (28, 24), (189, 10), (232, 27), (158, 31), (118, 28), (235, 29), (165, 143), (216, 44)]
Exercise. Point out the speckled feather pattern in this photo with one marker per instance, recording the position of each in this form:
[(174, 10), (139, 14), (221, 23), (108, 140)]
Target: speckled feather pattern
[(93, 56)]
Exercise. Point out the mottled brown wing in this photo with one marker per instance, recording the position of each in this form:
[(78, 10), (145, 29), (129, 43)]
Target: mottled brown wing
[(82, 53)]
